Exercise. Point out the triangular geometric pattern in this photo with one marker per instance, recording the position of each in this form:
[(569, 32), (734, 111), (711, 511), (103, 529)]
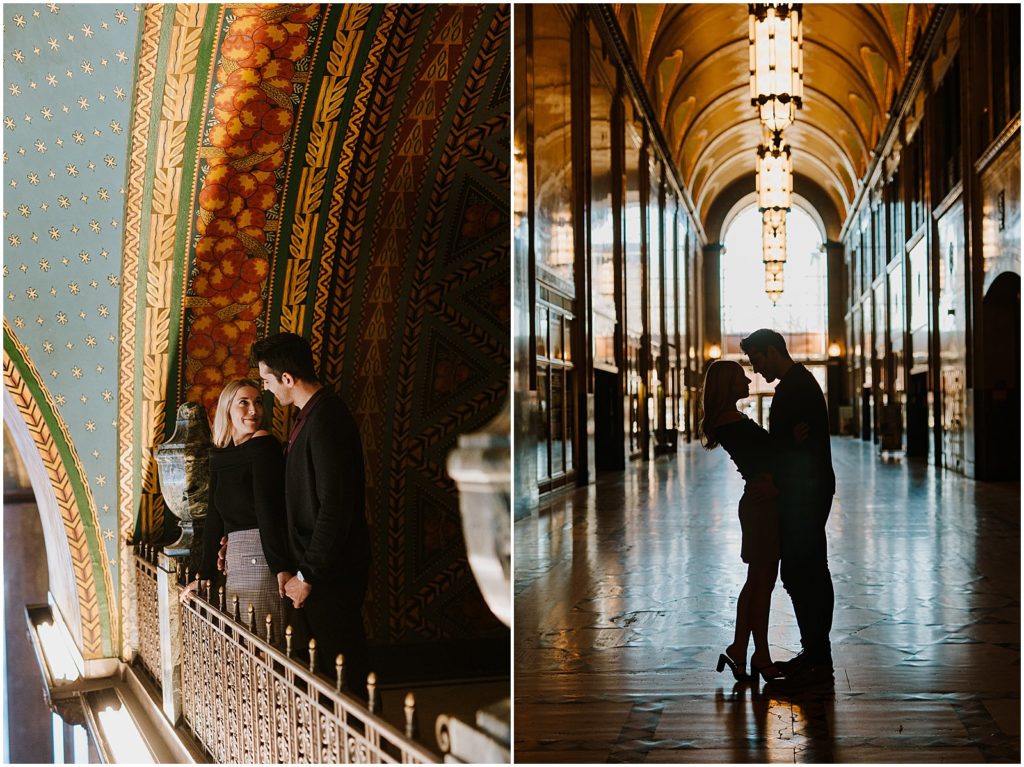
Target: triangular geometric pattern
[(477, 218), (412, 222), (456, 373)]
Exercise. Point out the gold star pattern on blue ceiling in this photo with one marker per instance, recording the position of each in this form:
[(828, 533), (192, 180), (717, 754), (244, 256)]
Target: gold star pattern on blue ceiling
[(68, 72)]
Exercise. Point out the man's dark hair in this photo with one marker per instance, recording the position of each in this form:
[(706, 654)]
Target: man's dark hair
[(285, 353), (761, 340)]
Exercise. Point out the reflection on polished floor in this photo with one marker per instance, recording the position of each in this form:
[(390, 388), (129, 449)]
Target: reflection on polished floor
[(625, 594)]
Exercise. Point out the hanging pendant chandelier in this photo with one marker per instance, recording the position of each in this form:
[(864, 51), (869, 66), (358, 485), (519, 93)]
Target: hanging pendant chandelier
[(773, 282), (774, 219), (773, 248), (774, 177), (776, 62), (773, 240)]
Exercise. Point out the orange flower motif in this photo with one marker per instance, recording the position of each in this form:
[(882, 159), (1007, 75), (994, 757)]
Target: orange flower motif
[(257, 69)]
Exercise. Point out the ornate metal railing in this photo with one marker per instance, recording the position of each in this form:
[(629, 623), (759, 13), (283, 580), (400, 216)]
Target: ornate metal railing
[(246, 700), (148, 614)]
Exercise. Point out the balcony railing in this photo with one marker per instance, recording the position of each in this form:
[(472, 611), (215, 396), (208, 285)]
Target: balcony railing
[(148, 612), (245, 699)]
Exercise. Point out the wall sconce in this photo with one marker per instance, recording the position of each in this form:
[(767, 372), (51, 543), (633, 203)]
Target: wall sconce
[(776, 62), (714, 352), (834, 350)]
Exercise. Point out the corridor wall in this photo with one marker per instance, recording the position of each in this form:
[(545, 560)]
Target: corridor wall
[(936, 227), (608, 324)]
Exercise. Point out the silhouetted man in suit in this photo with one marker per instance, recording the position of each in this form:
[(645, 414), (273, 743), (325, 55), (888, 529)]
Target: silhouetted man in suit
[(806, 483), (324, 496)]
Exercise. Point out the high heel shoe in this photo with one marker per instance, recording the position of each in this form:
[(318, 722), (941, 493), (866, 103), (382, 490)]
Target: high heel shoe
[(737, 669), (768, 672)]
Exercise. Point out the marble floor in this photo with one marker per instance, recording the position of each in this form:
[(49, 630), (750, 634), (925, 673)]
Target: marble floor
[(625, 593)]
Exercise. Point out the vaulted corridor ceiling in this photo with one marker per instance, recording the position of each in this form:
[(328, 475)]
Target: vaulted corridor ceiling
[(694, 61)]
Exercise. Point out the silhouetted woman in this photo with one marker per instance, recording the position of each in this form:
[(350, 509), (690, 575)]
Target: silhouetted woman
[(749, 446), (246, 503)]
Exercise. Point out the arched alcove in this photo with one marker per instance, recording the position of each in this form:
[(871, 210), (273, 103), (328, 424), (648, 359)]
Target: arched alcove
[(999, 427)]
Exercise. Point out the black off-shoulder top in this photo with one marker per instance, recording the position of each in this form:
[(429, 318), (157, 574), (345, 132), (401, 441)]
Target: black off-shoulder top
[(247, 492)]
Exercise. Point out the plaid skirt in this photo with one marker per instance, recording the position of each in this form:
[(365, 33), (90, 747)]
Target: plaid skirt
[(250, 579)]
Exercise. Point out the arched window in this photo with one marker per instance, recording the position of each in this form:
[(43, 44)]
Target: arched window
[(800, 314)]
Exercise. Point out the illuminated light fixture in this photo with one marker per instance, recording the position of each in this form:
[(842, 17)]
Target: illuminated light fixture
[(714, 352), (773, 283), (56, 645), (123, 737), (118, 736), (774, 219), (774, 177), (776, 62), (773, 243), (834, 350)]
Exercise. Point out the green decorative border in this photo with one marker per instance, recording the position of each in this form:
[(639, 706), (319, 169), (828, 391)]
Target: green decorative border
[(302, 130)]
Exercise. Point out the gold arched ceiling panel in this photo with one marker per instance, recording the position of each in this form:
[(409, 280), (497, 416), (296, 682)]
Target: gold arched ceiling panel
[(693, 59)]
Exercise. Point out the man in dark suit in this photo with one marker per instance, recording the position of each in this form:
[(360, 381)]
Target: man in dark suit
[(324, 498), (806, 483)]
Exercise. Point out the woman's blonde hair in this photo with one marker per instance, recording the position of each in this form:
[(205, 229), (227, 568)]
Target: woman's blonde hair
[(716, 398), (221, 418)]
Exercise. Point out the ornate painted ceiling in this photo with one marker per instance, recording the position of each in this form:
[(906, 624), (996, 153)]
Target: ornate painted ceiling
[(694, 60)]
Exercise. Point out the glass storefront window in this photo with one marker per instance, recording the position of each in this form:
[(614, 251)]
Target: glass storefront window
[(552, 115), (542, 330), (557, 334), (543, 431)]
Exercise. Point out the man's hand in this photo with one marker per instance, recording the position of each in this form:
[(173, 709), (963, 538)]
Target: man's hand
[(222, 553), (282, 578), (297, 591)]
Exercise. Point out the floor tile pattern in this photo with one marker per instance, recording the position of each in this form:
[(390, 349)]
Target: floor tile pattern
[(626, 591)]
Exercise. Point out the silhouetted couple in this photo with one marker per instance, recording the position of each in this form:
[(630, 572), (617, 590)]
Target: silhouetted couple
[(785, 505)]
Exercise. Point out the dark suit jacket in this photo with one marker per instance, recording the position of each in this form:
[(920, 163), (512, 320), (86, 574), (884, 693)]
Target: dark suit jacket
[(325, 490), (803, 472)]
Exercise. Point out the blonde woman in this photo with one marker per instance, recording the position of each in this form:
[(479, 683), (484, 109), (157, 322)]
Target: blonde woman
[(749, 446), (246, 503)]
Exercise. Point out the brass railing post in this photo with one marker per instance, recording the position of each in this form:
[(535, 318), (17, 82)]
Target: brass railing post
[(170, 635)]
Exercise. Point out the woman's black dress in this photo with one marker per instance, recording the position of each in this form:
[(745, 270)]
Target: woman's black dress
[(750, 448)]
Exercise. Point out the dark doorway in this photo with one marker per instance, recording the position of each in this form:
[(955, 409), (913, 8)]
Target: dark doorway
[(999, 422), (609, 432), (917, 416)]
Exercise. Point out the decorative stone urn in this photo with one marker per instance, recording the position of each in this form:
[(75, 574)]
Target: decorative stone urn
[(183, 465), (481, 466)]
